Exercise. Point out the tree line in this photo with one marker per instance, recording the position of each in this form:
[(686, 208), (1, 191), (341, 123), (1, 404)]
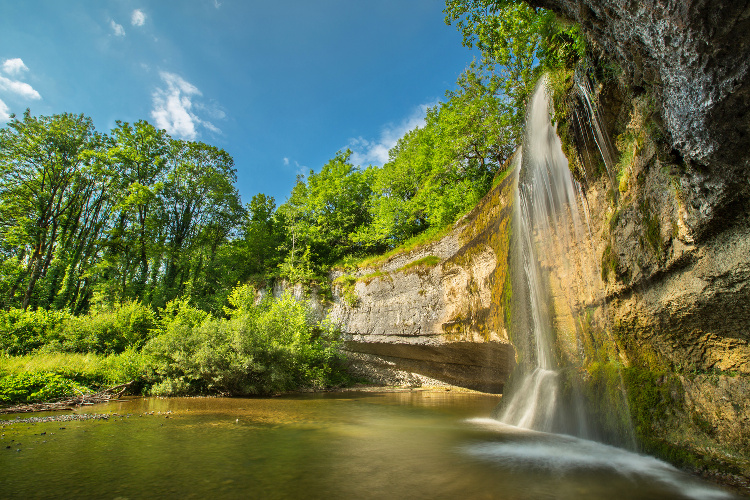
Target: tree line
[(88, 218), (128, 256)]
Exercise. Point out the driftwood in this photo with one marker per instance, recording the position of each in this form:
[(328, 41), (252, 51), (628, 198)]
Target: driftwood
[(70, 403)]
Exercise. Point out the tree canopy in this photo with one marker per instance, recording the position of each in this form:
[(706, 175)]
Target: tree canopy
[(91, 219)]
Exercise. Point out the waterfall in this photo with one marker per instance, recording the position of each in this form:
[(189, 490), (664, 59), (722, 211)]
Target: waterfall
[(590, 125), (558, 272)]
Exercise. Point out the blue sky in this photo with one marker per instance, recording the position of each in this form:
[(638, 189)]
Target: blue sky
[(281, 85)]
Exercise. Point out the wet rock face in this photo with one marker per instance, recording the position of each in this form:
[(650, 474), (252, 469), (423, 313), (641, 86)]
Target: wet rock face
[(693, 56), (696, 54)]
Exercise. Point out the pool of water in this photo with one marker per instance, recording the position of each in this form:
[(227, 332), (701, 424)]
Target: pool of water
[(415, 444)]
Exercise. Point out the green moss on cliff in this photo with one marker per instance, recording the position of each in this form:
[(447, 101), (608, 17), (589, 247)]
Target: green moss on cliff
[(426, 262)]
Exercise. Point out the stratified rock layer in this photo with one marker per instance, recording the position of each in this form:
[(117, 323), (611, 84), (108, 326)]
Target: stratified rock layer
[(437, 311)]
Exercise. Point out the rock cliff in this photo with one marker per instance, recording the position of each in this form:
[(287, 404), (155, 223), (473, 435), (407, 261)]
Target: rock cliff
[(671, 245), (693, 58), (671, 223), (436, 314)]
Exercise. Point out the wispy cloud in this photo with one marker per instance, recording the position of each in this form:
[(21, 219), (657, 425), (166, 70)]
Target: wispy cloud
[(117, 28), (4, 113), (173, 107), (14, 67), (301, 170), (217, 4), (286, 161), (21, 88), (137, 18), (212, 109), (375, 151)]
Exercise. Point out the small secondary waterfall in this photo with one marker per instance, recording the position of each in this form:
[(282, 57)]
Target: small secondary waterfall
[(556, 255)]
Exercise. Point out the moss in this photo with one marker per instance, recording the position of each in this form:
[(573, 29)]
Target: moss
[(604, 394), (651, 394), (369, 278), (348, 290), (506, 304), (610, 261), (502, 174), (651, 228), (561, 91), (421, 240), (424, 262)]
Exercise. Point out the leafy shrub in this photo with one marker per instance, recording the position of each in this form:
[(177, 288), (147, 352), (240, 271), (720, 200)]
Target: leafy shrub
[(37, 386), (103, 331), (270, 347), (22, 332), (109, 331)]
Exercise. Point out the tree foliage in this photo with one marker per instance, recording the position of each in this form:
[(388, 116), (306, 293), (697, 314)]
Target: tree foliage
[(86, 217), (517, 43)]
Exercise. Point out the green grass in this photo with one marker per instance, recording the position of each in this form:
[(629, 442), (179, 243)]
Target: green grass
[(45, 376), (428, 261), (90, 369), (413, 243)]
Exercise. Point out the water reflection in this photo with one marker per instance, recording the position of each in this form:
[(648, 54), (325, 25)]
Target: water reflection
[(346, 445)]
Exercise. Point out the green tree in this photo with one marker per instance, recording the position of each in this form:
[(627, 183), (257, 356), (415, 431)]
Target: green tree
[(45, 165), (324, 211), (202, 208), (517, 42), (441, 170), (139, 154), (261, 234)]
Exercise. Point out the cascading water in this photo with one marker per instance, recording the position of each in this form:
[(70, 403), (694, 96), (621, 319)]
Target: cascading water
[(556, 255), (590, 125), (560, 331)]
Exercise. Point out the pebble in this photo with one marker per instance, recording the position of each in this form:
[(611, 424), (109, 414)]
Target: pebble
[(58, 418)]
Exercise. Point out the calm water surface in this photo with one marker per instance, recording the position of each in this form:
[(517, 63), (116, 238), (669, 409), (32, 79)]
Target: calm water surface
[(346, 445)]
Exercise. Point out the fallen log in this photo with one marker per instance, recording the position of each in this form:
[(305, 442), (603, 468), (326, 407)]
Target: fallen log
[(70, 403)]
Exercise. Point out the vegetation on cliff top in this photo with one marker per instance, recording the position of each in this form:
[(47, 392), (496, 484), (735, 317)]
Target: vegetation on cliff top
[(107, 239)]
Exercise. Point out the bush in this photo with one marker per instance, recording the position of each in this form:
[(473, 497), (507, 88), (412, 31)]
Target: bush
[(104, 331), (21, 332), (270, 347), (37, 386), (109, 331)]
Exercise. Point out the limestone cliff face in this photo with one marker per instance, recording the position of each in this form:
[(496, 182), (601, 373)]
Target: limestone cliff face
[(436, 311), (678, 298)]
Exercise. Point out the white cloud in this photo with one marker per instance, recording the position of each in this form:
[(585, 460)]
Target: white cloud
[(137, 18), (286, 161), (21, 88), (217, 4), (4, 113), (117, 28), (173, 107), (14, 67), (375, 152)]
